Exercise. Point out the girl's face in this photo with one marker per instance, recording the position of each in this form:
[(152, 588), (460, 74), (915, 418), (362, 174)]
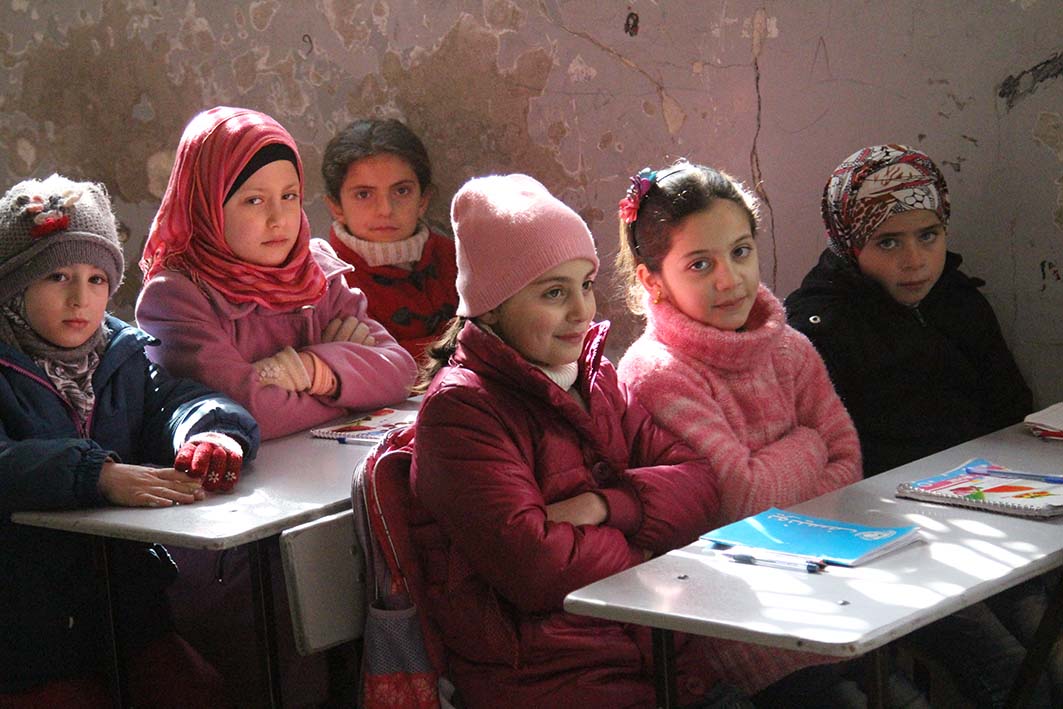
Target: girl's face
[(710, 273), (262, 218), (547, 320), (66, 306), (906, 255), (380, 199)]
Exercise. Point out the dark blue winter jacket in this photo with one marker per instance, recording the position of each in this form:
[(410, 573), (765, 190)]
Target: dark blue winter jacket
[(51, 615)]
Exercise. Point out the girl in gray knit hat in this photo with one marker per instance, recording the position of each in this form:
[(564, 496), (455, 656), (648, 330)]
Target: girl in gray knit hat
[(83, 414)]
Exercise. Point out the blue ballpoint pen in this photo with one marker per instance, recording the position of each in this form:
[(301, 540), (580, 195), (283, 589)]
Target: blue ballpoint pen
[(988, 470), (795, 564)]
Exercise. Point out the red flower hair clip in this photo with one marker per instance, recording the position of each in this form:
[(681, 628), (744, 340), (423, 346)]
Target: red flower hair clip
[(640, 185), (49, 215)]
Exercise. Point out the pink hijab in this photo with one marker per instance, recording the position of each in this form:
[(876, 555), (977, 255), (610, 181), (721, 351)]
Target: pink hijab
[(188, 233)]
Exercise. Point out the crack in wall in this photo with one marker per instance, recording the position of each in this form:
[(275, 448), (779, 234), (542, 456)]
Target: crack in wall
[(759, 31)]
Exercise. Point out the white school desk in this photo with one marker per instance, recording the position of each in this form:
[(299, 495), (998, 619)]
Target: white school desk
[(293, 480), (968, 555)]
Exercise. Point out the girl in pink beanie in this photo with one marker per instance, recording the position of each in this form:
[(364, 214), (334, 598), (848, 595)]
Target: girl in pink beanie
[(539, 473), (718, 366)]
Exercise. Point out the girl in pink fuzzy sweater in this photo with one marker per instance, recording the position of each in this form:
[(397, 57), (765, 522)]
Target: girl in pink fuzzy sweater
[(719, 367)]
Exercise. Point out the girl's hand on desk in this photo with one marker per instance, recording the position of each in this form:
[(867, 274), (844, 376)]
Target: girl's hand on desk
[(584, 508), (139, 486)]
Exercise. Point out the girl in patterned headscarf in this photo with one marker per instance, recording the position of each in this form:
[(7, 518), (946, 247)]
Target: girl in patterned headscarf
[(243, 299), (916, 353)]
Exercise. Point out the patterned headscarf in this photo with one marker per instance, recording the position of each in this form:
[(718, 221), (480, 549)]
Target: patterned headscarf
[(873, 184), (188, 233)]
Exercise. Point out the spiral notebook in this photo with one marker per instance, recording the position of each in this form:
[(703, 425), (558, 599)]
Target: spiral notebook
[(368, 427), (982, 485)]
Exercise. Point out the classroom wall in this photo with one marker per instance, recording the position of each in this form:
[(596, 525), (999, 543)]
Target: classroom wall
[(581, 95)]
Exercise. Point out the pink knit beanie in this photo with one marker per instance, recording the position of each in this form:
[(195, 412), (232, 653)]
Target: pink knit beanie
[(508, 231)]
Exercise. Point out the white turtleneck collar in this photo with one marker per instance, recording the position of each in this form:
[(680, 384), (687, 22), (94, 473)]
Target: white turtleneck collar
[(404, 254)]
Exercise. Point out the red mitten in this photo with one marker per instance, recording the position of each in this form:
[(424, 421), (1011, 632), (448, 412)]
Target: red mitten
[(215, 457)]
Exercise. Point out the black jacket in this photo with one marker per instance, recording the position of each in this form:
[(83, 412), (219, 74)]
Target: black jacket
[(915, 380)]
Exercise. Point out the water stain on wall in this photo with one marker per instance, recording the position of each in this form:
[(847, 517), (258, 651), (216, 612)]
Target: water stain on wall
[(69, 121), (487, 130), (1049, 132)]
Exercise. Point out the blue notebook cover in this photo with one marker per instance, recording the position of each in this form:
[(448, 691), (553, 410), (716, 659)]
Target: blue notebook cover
[(833, 541)]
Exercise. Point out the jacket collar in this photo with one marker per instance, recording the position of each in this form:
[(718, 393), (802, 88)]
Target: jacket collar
[(126, 341), (721, 349), (488, 356), (835, 276)]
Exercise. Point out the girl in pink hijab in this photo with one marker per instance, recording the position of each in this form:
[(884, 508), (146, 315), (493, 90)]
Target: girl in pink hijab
[(243, 299)]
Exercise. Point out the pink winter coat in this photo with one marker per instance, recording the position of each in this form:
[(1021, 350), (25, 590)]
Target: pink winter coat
[(496, 442), (760, 406), (206, 337)]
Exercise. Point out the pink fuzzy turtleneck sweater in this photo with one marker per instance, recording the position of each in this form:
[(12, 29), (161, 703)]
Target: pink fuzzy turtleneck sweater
[(760, 406)]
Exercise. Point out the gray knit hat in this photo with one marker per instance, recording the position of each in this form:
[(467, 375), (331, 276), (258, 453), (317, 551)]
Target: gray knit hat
[(51, 223)]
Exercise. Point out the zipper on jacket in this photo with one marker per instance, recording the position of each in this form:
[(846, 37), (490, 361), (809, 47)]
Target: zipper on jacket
[(82, 427), (919, 315)]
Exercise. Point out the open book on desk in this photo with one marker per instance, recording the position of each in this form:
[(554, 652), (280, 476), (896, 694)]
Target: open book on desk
[(982, 485), (830, 540)]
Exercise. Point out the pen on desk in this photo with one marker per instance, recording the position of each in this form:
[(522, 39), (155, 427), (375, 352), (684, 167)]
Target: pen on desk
[(797, 564), (344, 440), (990, 470)]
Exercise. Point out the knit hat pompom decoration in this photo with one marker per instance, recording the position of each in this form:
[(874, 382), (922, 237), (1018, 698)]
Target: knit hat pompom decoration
[(53, 223), (872, 185), (508, 231)]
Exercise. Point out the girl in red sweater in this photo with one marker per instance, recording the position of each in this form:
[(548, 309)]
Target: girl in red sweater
[(379, 180)]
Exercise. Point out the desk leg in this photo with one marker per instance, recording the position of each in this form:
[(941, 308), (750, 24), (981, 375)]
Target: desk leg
[(265, 628), (1044, 640), (877, 674), (103, 564), (664, 668)]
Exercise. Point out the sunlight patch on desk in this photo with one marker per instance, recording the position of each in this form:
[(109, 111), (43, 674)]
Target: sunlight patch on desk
[(980, 528), (946, 589), (997, 552), (927, 524), (968, 561), (816, 621), (1021, 547), (905, 595), (801, 605)]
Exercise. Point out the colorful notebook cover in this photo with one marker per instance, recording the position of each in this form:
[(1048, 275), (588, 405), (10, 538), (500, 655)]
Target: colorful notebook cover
[(982, 485), (366, 428), (833, 541)]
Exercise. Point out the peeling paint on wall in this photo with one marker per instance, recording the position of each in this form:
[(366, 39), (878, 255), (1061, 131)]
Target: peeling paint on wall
[(78, 120), (578, 95), (1018, 86), (1049, 133)]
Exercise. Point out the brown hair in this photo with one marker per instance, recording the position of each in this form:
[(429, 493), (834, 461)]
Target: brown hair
[(676, 192), (368, 137), (438, 354)]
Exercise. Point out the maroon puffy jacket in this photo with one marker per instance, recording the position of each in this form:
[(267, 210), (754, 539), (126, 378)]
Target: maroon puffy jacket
[(496, 442)]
